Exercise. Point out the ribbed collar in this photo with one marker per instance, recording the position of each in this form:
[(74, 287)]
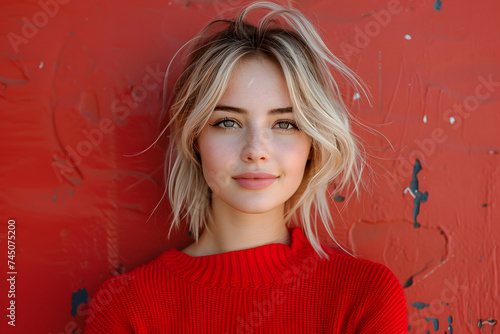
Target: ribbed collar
[(259, 266)]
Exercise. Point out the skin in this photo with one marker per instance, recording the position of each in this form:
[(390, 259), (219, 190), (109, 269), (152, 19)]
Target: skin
[(258, 137)]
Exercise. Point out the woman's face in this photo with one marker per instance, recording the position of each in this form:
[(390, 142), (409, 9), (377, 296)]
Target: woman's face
[(253, 156)]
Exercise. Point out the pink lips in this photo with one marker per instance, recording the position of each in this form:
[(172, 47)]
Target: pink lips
[(255, 180)]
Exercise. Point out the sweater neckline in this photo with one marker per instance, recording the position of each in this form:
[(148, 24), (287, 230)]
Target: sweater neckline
[(253, 267)]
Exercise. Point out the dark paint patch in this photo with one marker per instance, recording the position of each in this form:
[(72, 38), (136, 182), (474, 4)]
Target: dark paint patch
[(437, 5), (450, 328), (491, 322), (420, 305), (419, 196), (485, 205), (408, 283), (54, 197), (78, 298), (434, 321), (339, 198)]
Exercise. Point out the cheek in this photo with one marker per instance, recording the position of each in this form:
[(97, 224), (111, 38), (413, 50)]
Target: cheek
[(217, 160), (294, 155)]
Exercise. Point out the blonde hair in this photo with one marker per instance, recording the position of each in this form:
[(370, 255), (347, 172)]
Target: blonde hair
[(307, 64)]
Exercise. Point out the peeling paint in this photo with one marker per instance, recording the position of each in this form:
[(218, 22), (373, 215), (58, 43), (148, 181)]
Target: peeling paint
[(77, 298), (419, 196), (339, 198), (435, 322), (420, 305), (437, 5)]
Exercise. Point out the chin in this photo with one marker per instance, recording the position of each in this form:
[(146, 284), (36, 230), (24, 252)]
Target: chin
[(255, 207)]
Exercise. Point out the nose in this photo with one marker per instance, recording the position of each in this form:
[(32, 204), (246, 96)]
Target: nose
[(256, 146)]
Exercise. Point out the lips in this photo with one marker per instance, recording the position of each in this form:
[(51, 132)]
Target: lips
[(255, 180)]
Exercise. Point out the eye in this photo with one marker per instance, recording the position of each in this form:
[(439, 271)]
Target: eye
[(287, 125), (225, 123)]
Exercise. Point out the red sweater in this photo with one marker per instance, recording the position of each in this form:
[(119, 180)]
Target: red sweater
[(273, 288)]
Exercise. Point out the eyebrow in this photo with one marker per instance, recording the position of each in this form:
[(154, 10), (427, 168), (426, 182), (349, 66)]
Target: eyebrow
[(244, 111)]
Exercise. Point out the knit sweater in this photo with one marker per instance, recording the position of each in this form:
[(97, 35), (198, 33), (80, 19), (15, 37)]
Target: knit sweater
[(273, 288)]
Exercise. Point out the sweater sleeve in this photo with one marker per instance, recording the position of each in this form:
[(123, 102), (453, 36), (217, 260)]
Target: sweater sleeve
[(386, 309), (108, 309)]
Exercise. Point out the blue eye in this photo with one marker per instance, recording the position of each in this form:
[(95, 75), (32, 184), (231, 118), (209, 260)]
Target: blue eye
[(287, 125), (226, 123)]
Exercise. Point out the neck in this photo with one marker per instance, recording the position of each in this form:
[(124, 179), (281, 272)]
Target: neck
[(231, 230)]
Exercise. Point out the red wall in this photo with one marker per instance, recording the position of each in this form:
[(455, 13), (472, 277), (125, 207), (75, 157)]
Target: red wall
[(80, 88)]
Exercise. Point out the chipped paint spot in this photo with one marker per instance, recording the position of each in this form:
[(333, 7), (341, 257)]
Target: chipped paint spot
[(419, 196), (437, 5), (452, 120), (356, 96), (425, 119), (407, 37), (491, 322), (78, 297), (54, 197), (434, 321), (420, 305), (339, 198), (408, 283)]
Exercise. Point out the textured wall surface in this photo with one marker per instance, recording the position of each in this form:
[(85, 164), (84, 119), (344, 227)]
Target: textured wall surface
[(80, 88)]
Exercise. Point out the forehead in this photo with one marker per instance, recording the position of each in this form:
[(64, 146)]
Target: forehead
[(257, 82)]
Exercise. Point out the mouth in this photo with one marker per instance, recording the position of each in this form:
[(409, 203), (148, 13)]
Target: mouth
[(255, 180)]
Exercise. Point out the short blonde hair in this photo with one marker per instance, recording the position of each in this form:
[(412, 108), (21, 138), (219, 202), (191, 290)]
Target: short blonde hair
[(307, 64)]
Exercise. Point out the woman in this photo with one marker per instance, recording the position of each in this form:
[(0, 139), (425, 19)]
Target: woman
[(258, 134)]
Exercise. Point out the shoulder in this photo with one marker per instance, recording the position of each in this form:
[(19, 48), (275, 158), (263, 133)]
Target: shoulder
[(372, 291), (109, 307), (357, 268), (132, 280), (119, 297), (366, 281)]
